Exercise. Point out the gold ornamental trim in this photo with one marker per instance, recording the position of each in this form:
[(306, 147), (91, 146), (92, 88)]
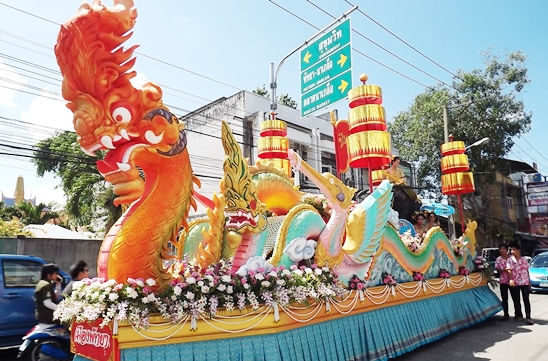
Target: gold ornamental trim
[(369, 144), (369, 114), (273, 127), (365, 94), (457, 183), (281, 164), (273, 144), (376, 177), (456, 147), (454, 163)]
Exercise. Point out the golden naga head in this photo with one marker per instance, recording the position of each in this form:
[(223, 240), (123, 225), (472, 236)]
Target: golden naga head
[(109, 112)]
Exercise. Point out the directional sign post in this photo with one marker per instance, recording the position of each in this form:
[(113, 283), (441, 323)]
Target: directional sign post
[(326, 69)]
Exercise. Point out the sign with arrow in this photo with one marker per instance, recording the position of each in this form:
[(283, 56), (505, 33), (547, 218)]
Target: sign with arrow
[(326, 69)]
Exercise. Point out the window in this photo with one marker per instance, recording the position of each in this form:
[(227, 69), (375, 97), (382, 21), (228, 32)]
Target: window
[(18, 273), (509, 202)]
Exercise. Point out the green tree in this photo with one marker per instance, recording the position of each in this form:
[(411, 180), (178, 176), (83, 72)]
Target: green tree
[(481, 103), (38, 214), (493, 110), (284, 99), (89, 196)]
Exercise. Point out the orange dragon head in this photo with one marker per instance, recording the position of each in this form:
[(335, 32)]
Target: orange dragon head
[(109, 113)]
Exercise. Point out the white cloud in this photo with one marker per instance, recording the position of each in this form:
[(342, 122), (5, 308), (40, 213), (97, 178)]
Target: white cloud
[(49, 113), (10, 79)]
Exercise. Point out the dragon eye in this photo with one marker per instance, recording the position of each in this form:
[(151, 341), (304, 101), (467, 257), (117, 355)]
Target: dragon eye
[(121, 112)]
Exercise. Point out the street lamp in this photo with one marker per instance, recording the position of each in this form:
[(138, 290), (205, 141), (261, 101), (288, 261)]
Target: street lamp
[(479, 142)]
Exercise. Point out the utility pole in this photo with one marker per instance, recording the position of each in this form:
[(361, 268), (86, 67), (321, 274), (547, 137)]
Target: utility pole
[(274, 74)]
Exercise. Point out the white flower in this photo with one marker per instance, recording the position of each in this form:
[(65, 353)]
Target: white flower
[(280, 282), (259, 277), (318, 271), (209, 277), (140, 283), (308, 270), (205, 289), (221, 287), (102, 298), (226, 278), (200, 283), (131, 293), (298, 272), (325, 269), (229, 289), (174, 298), (189, 295), (177, 290), (265, 283), (273, 274), (246, 286), (191, 280), (151, 282), (286, 272), (151, 297), (113, 296), (77, 284)]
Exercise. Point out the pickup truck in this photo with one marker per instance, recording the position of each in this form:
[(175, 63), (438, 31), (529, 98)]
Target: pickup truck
[(18, 277)]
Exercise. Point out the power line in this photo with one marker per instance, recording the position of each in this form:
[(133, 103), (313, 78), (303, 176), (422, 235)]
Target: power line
[(400, 39), (382, 47), (353, 48), (522, 137)]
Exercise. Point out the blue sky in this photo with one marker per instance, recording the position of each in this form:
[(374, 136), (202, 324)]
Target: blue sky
[(230, 44)]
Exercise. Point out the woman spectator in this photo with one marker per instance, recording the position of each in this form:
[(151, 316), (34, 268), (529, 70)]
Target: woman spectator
[(504, 277), (518, 268)]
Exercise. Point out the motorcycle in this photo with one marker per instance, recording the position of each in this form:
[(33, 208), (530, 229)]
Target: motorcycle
[(46, 343)]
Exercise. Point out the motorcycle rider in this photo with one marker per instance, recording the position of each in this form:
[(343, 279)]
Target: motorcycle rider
[(78, 272), (45, 294)]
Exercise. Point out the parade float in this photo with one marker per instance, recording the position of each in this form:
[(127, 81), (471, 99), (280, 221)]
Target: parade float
[(266, 274)]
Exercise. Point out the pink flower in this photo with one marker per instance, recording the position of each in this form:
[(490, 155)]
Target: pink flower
[(360, 286)]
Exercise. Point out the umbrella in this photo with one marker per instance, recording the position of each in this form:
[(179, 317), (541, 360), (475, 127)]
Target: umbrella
[(439, 209)]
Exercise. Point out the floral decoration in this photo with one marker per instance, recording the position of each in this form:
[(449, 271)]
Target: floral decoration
[(356, 283), (318, 201), (415, 244), (417, 276), (196, 292), (388, 279), (444, 273), (463, 271), (482, 265), (458, 246)]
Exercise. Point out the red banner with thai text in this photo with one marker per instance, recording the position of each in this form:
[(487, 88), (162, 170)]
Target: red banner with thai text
[(341, 130), (94, 342)]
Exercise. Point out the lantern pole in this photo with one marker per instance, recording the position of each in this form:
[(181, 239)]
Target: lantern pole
[(461, 214)]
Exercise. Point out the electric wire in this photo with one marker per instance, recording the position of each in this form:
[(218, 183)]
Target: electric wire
[(403, 41), (382, 47)]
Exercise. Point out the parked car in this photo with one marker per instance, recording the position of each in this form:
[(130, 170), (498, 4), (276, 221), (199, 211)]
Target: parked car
[(18, 278), (538, 272), (538, 251)]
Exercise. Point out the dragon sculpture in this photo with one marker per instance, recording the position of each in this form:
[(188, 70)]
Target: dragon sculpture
[(257, 214), (138, 131)]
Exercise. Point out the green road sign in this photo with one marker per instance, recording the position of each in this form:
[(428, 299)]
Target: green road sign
[(326, 45), (326, 94), (326, 69)]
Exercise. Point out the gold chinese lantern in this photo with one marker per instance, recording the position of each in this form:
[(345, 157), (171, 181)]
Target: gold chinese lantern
[(273, 144), (456, 180), (368, 141)]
